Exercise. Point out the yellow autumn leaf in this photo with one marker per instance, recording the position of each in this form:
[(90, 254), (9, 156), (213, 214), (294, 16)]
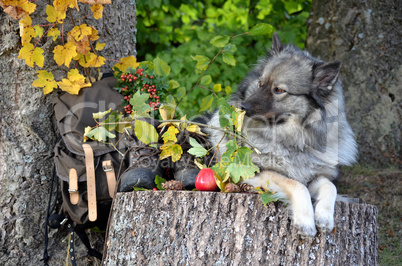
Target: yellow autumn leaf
[(170, 135), (195, 129), (79, 32), (25, 21), (54, 32), (38, 31), (45, 80), (54, 15), (74, 82), (94, 2), (64, 54), (127, 62), (32, 55), (171, 149), (27, 34), (27, 6), (94, 35), (62, 5), (99, 46), (98, 10), (83, 46)]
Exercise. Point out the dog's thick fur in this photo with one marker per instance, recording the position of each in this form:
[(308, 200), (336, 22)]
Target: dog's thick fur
[(295, 115)]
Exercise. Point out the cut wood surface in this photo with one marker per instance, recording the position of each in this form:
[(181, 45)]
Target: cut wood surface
[(211, 228)]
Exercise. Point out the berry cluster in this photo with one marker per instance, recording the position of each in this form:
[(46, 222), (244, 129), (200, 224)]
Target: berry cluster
[(141, 79)]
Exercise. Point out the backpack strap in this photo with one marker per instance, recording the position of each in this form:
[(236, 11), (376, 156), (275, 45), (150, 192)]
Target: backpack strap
[(73, 186), (91, 184), (110, 175)]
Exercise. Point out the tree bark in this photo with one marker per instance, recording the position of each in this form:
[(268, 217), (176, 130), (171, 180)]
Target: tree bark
[(28, 133), (210, 228), (366, 35)]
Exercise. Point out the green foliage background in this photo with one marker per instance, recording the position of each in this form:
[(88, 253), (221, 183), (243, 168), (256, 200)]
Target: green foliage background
[(176, 30)]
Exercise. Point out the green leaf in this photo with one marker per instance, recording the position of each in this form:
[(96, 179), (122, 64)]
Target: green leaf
[(140, 105), (197, 150), (100, 115), (159, 181), (100, 134), (146, 133), (205, 80), (206, 103), (238, 171), (202, 62), (161, 67), (228, 90), (220, 41), (173, 84), (267, 197), (230, 48), (112, 121), (229, 59), (261, 29)]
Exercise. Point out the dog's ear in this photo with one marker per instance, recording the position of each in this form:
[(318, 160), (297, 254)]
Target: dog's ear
[(325, 75), (277, 45)]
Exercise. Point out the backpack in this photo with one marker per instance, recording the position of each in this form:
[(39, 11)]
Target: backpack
[(86, 171)]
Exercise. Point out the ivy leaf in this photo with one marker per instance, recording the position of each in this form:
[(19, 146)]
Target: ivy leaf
[(98, 10), (229, 59), (161, 67), (170, 134), (101, 115), (206, 103), (220, 41), (139, 104), (202, 62), (100, 134), (74, 83), (127, 62), (53, 32), (197, 150), (54, 15), (64, 54), (261, 29), (171, 149), (45, 80), (32, 55), (146, 133), (159, 181), (205, 80)]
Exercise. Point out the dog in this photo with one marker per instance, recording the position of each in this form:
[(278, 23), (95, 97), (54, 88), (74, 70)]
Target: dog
[(295, 115)]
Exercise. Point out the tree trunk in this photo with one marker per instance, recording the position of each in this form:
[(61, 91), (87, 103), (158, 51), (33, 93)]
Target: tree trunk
[(209, 228), (366, 35), (28, 133)]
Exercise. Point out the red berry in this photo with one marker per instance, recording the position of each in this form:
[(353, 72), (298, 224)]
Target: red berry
[(155, 189), (151, 77), (130, 80), (123, 79)]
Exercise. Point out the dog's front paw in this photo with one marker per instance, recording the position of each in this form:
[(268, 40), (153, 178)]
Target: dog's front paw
[(304, 224), (324, 217)]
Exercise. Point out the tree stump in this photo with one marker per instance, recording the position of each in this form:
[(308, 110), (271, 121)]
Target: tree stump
[(210, 228)]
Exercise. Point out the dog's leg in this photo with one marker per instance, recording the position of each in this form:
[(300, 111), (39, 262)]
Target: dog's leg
[(297, 195), (324, 193)]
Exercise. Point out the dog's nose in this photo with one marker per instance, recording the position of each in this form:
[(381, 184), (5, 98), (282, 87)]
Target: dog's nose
[(245, 106)]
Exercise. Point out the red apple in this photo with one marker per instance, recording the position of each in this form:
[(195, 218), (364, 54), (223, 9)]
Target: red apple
[(205, 180)]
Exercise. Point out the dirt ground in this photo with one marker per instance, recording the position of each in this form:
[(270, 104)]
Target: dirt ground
[(382, 188)]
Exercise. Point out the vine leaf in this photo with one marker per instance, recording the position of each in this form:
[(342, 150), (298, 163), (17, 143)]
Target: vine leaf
[(170, 135), (74, 83), (54, 15), (45, 80), (98, 10), (32, 55), (146, 133), (99, 46), (171, 149), (127, 62), (64, 54), (197, 150), (54, 32)]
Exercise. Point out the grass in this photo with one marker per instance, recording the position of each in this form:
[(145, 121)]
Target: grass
[(382, 188)]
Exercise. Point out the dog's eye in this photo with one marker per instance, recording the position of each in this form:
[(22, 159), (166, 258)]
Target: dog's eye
[(278, 90)]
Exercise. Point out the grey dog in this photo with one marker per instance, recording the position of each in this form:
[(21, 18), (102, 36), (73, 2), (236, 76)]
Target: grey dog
[(295, 115)]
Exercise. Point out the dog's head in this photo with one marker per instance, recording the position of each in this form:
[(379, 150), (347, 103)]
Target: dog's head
[(287, 84)]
